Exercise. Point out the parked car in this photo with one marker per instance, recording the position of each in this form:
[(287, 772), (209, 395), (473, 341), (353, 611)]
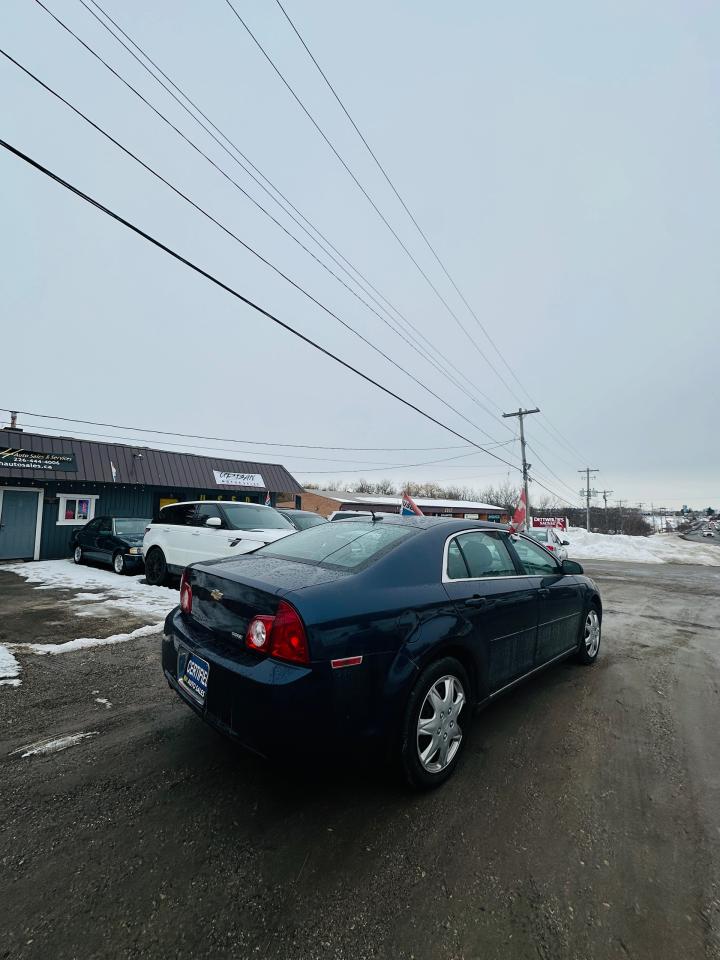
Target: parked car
[(302, 519), (206, 530), (114, 540), (550, 539), (384, 634), (708, 533)]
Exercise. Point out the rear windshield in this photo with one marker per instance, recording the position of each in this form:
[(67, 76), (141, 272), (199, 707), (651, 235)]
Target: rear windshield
[(253, 516), (303, 521), (539, 533), (344, 546)]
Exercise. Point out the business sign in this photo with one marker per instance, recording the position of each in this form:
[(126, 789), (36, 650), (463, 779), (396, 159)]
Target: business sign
[(229, 479), (559, 522), (14, 458)]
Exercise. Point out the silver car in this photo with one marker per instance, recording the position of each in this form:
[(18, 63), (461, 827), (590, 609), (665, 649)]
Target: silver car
[(548, 537)]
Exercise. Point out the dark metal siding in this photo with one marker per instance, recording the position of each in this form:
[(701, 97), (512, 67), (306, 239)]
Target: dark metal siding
[(160, 468)]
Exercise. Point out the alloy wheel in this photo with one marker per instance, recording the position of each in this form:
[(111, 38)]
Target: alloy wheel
[(77, 554), (118, 563), (592, 633), (438, 730)]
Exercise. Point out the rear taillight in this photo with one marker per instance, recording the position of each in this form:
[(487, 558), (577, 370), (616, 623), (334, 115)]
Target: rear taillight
[(185, 593), (282, 636), (550, 546)]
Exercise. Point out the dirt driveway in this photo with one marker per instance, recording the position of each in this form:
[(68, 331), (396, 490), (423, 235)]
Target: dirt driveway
[(584, 822)]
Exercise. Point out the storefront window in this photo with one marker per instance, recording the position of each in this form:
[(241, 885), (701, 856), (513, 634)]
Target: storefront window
[(76, 509)]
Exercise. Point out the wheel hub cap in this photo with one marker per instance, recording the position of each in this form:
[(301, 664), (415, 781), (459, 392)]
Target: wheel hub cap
[(438, 730), (592, 633)]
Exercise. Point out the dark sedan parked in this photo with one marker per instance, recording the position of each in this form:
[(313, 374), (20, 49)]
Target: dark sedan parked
[(114, 540), (385, 632), (302, 519)]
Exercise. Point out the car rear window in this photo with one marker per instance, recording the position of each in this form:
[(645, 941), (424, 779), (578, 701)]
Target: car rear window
[(539, 533), (345, 546)]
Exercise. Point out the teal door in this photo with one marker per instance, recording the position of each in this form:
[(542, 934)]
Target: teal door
[(18, 517)]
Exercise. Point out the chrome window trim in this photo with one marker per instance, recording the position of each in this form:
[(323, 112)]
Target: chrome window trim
[(447, 579)]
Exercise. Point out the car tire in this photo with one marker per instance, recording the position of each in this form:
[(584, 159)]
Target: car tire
[(78, 554), (118, 563), (590, 636), (156, 572), (429, 756)]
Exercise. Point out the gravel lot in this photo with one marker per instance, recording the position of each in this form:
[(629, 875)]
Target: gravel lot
[(584, 822)]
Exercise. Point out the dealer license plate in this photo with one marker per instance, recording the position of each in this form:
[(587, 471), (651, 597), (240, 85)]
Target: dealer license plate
[(193, 676)]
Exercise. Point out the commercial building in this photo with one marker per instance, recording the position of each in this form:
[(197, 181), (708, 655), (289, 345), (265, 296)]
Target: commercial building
[(326, 502), (52, 485)]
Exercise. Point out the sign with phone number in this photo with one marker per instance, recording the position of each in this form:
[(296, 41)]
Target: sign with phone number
[(12, 458)]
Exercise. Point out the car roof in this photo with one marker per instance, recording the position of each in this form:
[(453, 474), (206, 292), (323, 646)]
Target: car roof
[(220, 503), (432, 523)]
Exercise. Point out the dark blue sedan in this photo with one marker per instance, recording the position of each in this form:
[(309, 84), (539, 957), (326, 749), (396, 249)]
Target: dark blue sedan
[(383, 633)]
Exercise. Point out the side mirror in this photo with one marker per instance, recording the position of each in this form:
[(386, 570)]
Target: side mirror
[(213, 522), (565, 543), (571, 567)]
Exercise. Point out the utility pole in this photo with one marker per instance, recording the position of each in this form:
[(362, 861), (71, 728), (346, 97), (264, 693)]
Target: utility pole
[(520, 414), (587, 471), (621, 504), (605, 496)]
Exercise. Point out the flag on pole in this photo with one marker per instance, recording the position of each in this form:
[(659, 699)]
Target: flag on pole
[(267, 499), (519, 516), (409, 507)]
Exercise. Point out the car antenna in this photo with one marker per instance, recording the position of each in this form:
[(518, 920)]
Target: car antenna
[(375, 519)]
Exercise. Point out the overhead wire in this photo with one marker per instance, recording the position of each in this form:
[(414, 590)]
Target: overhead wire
[(426, 352), (91, 201), (414, 220), (365, 193), (245, 245)]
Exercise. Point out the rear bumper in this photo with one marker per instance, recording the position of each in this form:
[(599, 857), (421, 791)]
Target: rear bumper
[(272, 708)]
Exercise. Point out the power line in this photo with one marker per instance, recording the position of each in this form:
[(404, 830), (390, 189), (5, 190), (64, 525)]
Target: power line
[(243, 299), (190, 436), (300, 220), (245, 245), (394, 189), (109, 438), (415, 222), (367, 195)]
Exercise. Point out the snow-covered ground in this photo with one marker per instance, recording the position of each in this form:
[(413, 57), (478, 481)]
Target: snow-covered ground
[(660, 548), (95, 593)]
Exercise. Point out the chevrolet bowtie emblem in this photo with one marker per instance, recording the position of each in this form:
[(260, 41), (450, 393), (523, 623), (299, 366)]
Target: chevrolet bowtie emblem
[(216, 594)]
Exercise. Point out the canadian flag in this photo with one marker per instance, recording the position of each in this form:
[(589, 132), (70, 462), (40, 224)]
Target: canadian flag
[(408, 507), (519, 516)]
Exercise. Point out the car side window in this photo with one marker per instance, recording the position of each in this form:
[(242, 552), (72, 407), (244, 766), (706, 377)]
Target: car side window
[(92, 527), (456, 566), (536, 561), (484, 555), (105, 526), (203, 511), (179, 514)]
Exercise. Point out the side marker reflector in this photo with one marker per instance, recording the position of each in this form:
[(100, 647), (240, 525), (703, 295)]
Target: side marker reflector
[(346, 662)]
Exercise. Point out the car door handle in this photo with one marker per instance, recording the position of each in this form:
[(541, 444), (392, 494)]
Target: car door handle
[(544, 592), (476, 602)]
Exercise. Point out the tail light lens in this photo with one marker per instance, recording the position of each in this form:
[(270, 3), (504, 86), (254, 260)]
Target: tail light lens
[(185, 593), (549, 546), (282, 636)]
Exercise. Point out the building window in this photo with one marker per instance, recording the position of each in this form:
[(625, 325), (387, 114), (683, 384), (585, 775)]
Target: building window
[(76, 509)]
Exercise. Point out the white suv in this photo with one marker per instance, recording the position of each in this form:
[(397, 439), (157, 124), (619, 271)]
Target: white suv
[(207, 530)]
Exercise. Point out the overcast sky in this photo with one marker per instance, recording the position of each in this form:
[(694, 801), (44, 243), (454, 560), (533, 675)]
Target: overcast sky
[(563, 158)]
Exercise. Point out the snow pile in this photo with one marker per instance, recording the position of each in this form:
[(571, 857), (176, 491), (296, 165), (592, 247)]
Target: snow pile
[(9, 669), (112, 592), (660, 548), (96, 593), (53, 745)]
